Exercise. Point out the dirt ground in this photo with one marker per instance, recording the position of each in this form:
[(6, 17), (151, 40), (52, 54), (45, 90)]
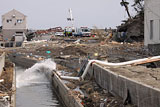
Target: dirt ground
[(7, 75), (149, 76), (111, 51)]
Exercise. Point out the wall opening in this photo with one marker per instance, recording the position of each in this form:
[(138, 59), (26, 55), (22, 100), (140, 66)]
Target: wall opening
[(9, 20), (151, 29)]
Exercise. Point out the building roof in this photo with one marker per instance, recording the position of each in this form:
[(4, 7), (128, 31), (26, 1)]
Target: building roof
[(15, 12)]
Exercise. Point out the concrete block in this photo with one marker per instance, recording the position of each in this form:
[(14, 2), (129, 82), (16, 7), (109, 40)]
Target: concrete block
[(63, 93), (90, 70), (122, 88), (103, 78), (100, 77), (114, 83), (155, 98), (106, 79), (96, 74), (144, 96), (132, 86)]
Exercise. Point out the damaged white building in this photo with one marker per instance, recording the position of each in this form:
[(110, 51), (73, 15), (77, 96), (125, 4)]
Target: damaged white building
[(152, 25)]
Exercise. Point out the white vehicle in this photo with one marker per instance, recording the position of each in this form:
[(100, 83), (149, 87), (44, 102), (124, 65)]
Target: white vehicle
[(59, 34), (86, 32)]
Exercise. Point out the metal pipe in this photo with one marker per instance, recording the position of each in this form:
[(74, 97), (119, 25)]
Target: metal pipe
[(70, 78), (108, 64)]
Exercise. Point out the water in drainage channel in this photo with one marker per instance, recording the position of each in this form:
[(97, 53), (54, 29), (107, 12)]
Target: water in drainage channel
[(34, 86)]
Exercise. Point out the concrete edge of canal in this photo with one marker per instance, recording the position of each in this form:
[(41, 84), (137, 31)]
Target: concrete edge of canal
[(13, 97), (64, 93), (140, 94)]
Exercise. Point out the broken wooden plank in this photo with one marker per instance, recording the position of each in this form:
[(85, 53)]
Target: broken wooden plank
[(148, 61)]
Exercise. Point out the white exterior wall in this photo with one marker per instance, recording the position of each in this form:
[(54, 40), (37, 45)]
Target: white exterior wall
[(152, 12), (13, 24), (10, 28)]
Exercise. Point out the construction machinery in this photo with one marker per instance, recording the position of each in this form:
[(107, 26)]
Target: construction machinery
[(72, 31)]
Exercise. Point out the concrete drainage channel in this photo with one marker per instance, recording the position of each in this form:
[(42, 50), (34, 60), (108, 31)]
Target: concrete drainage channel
[(137, 93), (59, 88), (134, 92)]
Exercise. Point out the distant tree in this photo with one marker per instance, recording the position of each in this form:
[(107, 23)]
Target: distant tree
[(125, 4)]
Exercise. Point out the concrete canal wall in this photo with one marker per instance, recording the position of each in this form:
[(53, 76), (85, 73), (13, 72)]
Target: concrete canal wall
[(64, 93), (13, 97), (2, 62), (140, 94)]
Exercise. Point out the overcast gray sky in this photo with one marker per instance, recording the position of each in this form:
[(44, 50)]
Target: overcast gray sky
[(43, 14)]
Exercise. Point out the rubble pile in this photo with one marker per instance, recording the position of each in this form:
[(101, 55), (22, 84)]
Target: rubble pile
[(88, 91), (134, 28), (49, 31), (39, 33), (112, 51), (6, 88)]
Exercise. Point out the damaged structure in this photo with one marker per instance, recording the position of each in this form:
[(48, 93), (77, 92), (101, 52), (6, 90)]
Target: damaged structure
[(14, 27), (152, 26)]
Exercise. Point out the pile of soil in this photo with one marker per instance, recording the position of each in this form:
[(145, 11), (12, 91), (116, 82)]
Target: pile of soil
[(134, 28)]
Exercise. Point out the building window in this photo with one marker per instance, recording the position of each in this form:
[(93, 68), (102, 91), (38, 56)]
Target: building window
[(9, 20), (13, 16), (151, 29), (19, 21)]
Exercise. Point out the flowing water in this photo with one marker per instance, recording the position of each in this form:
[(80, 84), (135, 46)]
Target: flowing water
[(34, 86)]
